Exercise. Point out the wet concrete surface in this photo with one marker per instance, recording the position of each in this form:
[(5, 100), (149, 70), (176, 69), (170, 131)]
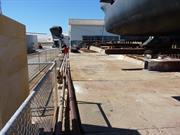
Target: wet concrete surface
[(117, 97)]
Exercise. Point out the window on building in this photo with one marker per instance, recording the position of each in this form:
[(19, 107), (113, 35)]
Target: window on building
[(100, 38)]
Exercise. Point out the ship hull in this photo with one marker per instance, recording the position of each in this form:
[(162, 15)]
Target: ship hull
[(142, 17)]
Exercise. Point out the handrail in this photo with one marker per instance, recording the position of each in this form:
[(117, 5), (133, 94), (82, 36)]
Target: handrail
[(27, 100), (40, 63), (16, 114), (68, 116), (64, 62)]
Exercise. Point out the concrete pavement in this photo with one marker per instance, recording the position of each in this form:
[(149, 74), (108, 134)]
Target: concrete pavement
[(117, 97)]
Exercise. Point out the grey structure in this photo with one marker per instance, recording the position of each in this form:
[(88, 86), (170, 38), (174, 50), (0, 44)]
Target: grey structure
[(32, 42), (89, 30)]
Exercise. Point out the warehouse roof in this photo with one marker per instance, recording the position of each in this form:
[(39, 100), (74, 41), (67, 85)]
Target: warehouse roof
[(86, 22)]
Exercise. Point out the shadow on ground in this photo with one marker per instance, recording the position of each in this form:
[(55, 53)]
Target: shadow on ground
[(104, 130), (177, 98), (100, 130), (131, 69)]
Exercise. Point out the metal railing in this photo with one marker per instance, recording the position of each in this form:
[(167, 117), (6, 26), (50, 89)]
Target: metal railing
[(43, 111), (69, 121), (37, 114)]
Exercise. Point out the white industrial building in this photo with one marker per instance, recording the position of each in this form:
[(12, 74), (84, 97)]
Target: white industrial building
[(89, 30), (66, 39), (42, 37)]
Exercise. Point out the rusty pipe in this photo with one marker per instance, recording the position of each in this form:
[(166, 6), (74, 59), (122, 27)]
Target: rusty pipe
[(74, 111)]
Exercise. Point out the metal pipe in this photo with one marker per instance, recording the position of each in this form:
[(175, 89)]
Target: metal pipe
[(17, 113), (61, 110), (59, 124), (36, 74), (40, 63), (75, 117), (23, 106), (53, 65), (67, 115), (62, 65)]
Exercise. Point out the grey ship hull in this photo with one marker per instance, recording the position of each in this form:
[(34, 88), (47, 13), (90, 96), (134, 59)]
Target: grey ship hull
[(142, 17)]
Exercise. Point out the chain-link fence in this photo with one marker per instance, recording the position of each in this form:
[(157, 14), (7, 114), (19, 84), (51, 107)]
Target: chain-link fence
[(37, 114), (40, 57)]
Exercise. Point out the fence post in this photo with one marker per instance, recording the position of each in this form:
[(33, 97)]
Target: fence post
[(39, 60)]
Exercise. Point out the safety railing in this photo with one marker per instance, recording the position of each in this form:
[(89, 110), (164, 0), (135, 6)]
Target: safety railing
[(37, 114), (46, 110)]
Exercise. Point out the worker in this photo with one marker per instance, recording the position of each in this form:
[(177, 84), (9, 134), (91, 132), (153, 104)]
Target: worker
[(65, 49), (40, 46)]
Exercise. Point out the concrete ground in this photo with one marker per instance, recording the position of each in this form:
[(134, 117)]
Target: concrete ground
[(117, 97)]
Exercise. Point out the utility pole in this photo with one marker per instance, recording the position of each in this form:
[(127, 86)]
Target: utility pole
[(103, 33)]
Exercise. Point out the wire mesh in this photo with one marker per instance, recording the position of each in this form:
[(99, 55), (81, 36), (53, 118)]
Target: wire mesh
[(44, 56), (37, 116)]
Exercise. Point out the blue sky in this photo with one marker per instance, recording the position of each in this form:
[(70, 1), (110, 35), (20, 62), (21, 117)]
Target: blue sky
[(40, 15)]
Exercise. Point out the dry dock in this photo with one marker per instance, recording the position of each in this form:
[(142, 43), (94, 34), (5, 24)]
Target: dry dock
[(117, 97)]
